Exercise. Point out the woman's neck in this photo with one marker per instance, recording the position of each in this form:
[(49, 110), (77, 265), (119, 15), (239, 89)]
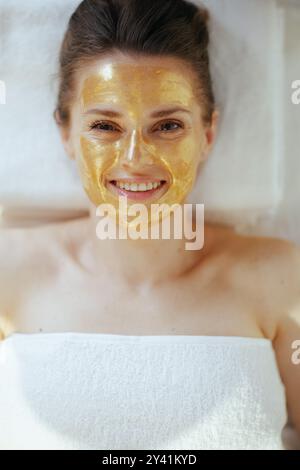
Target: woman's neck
[(145, 262)]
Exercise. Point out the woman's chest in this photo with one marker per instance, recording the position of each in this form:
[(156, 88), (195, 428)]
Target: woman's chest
[(187, 306)]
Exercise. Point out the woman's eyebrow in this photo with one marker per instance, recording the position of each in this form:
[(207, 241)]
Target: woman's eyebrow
[(104, 112), (167, 112), (156, 114)]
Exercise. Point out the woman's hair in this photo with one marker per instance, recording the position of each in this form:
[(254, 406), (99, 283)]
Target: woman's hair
[(175, 28)]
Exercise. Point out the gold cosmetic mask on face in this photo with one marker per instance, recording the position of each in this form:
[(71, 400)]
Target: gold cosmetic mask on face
[(132, 145)]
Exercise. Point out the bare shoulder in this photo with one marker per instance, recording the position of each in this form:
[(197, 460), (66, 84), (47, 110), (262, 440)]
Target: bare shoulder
[(268, 270), (275, 260), (25, 245), (30, 258)]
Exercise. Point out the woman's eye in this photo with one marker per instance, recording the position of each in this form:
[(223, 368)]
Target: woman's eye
[(169, 126), (103, 126)]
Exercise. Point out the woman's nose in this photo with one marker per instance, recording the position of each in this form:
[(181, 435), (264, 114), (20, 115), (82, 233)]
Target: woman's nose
[(135, 150)]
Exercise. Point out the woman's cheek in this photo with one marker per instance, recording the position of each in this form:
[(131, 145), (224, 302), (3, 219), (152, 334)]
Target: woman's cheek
[(182, 163), (94, 159)]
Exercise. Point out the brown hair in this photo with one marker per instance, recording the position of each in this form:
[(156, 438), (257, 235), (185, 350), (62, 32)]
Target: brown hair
[(170, 27)]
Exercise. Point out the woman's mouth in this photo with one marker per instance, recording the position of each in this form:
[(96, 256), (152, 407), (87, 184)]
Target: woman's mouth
[(138, 190)]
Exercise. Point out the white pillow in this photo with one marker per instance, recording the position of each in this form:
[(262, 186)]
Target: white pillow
[(242, 177)]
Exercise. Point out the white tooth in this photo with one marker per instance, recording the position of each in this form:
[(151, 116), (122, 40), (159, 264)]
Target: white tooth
[(138, 187)]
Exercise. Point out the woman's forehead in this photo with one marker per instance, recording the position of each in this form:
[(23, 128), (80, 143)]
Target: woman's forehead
[(146, 83)]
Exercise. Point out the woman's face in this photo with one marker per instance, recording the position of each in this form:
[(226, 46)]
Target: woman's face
[(137, 120)]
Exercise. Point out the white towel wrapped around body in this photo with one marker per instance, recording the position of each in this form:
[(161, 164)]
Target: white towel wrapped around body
[(87, 391)]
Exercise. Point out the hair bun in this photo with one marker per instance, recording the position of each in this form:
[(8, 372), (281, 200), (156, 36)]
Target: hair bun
[(203, 15)]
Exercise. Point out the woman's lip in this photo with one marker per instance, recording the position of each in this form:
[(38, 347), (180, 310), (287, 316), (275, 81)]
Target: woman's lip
[(138, 180), (137, 195)]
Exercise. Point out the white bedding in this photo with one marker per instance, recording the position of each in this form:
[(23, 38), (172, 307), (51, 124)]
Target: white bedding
[(242, 178)]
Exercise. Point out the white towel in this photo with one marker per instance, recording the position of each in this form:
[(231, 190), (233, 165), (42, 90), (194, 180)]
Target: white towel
[(87, 391), (242, 178)]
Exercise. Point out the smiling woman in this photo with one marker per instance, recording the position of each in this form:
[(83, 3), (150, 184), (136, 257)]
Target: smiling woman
[(144, 344), (138, 145), (141, 107)]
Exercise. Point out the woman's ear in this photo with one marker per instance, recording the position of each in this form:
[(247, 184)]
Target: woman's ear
[(210, 133)]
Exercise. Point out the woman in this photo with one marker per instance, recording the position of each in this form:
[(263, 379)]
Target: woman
[(210, 332)]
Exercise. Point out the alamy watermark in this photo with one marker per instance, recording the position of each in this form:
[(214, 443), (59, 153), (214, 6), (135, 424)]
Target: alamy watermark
[(296, 353), (2, 92), (296, 94), (164, 222)]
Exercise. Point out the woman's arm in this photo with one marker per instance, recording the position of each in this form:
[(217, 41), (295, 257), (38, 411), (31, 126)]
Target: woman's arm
[(287, 340)]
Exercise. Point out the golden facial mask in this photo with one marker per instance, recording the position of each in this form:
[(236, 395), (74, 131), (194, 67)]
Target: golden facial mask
[(132, 144)]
